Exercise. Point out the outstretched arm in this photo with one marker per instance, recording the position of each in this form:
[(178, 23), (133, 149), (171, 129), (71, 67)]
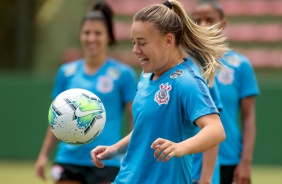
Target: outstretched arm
[(211, 134), (42, 159), (242, 172), (107, 152), (208, 164)]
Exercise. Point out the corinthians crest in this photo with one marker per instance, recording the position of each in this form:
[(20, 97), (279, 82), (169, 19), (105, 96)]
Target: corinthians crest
[(162, 96), (226, 76)]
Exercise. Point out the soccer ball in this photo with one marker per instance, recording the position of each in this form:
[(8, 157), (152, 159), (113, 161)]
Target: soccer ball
[(77, 116)]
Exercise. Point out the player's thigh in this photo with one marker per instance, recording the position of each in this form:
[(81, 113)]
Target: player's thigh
[(104, 175), (67, 174), (226, 173)]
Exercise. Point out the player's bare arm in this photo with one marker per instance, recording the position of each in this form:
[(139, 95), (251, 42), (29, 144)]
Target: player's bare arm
[(211, 134), (107, 152)]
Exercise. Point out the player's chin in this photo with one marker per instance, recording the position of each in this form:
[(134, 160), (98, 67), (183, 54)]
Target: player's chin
[(93, 52), (146, 69)]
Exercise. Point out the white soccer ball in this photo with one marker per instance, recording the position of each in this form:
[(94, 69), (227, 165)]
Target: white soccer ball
[(77, 116)]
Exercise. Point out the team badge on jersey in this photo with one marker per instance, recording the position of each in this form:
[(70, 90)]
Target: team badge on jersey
[(105, 84), (162, 96), (233, 60), (226, 76), (176, 74), (70, 70), (113, 73)]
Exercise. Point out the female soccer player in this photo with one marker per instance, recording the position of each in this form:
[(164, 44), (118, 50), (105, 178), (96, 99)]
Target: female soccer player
[(238, 88), (209, 168), (113, 82), (171, 99)]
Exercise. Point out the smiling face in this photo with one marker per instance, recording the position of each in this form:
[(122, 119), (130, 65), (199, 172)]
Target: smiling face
[(206, 15), (94, 38), (150, 46)]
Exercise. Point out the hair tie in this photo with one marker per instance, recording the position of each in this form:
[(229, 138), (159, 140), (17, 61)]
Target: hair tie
[(168, 4)]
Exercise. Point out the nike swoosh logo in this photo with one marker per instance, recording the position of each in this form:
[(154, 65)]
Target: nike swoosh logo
[(80, 113)]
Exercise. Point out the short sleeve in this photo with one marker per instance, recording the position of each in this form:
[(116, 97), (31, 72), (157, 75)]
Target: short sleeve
[(248, 84), (196, 99), (60, 83), (128, 84), (214, 91)]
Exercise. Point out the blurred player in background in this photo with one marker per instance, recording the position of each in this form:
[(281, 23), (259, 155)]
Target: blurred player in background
[(211, 168), (171, 98), (238, 88), (113, 82), (71, 54)]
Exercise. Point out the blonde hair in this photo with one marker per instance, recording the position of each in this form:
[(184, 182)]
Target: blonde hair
[(205, 45)]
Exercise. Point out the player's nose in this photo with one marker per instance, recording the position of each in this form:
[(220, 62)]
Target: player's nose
[(203, 23)]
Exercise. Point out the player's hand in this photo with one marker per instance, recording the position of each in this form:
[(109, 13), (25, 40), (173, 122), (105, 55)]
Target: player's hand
[(242, 173), (204, 182), (102, 153), (40, 167), (165, 149)]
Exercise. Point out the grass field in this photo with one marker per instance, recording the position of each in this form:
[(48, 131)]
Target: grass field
[(22, 172)]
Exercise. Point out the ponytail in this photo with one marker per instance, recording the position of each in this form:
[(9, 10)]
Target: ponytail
[(102, 11), (108, 14), (205, 45)]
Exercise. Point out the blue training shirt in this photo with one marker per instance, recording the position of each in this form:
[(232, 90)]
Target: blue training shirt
[(115, 84), (165, 108), (198, 157), (236, 81)]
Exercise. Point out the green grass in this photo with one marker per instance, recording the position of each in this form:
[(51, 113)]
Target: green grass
[(13, 172), (267, 174)]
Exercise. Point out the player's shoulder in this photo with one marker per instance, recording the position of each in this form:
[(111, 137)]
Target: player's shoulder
[(116, 69), (191, 63), (191, 70), (118, 64), (70, 68), (235, 59), (188, 75)]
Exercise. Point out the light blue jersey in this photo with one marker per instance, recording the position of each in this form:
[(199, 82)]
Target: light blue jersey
[(198, 157), (115, 84), (236, 81), (165, 108)]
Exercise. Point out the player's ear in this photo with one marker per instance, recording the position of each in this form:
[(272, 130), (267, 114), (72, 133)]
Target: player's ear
[(223, 24), (169, 40)]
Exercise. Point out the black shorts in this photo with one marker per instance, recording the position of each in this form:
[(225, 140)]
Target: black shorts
[(84, 174), (226, 173)]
